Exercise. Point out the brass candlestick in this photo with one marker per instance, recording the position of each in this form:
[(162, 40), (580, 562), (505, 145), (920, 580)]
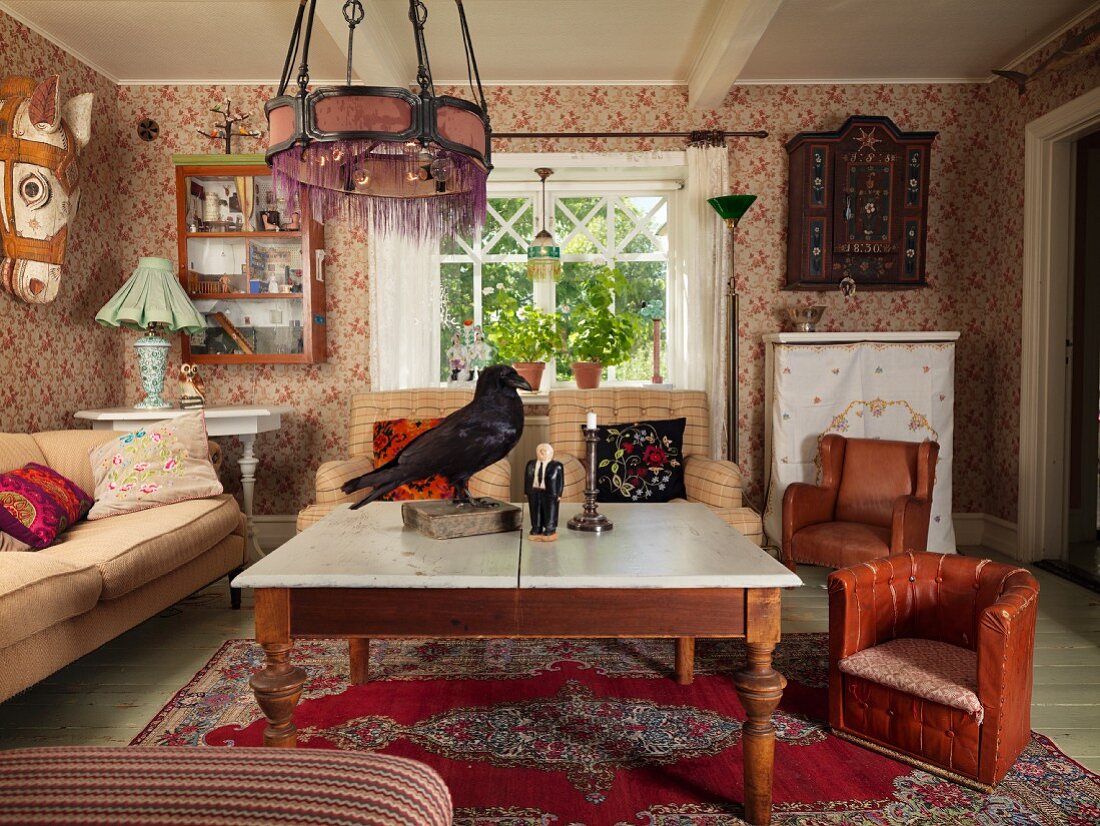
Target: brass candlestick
[(590, 519)]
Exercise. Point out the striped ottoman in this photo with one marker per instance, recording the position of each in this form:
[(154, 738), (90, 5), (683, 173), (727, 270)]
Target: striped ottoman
[(235, 787)]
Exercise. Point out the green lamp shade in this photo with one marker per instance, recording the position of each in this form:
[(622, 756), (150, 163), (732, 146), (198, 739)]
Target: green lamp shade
[(731, 207), (544, 258), (152, 295)]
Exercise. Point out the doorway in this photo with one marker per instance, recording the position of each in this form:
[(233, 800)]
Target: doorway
[(1082, 552)]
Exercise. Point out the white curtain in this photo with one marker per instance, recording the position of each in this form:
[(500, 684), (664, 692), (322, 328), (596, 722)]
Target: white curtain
[(403, 312), (698, 270)]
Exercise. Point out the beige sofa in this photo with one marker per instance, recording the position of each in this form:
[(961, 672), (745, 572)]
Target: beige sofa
[(714, 483), (368, 408), (104, 577)]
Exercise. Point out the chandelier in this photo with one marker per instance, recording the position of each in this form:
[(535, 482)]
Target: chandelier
[(383, 158)]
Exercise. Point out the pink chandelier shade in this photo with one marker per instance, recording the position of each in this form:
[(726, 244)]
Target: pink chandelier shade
[(385, 158)]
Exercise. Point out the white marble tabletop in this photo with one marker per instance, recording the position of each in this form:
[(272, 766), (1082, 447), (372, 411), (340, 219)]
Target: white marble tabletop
[(371, 548), (651, 546)]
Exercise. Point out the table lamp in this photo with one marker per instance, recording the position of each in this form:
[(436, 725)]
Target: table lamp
[(730, 208), (152, 300)]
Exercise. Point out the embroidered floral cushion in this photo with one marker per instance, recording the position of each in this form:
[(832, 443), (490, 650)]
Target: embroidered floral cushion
[(937, 671), (160, 464), (390, 437), (37, 504), (640, 461)]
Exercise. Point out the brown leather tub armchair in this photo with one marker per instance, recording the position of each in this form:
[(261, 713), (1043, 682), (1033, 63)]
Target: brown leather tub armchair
[(875, 499), (930, 656)]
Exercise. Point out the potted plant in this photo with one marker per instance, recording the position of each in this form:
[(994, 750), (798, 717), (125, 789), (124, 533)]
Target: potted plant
[(524, 336), (601, 335)]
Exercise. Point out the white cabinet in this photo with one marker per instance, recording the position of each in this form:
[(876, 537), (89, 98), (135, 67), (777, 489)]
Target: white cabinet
[(868, 385)]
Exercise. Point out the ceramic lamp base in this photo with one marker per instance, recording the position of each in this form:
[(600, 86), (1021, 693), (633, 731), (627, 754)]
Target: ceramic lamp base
[(152, 354)]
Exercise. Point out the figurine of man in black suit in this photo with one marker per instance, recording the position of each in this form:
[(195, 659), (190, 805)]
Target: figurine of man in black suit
[(543, 483)]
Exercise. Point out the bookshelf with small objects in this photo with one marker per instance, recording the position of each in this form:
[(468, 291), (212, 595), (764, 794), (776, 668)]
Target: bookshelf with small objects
[(252, 267)]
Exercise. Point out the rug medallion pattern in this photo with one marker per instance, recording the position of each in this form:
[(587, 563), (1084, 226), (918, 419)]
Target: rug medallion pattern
[(595, 733)]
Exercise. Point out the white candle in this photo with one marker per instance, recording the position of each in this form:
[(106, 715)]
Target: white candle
[(590, 421)]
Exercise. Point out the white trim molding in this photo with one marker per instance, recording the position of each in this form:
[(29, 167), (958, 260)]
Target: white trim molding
[(985, 530), (1048, 195), (272, 531)]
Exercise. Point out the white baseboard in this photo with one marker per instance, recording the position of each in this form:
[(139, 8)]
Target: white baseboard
[(988, 531), (273, 531), (970, 529)]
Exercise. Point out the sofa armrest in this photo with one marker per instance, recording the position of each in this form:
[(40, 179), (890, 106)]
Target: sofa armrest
[(331, 475), (909, 531), (712, 482), (574, 473), (805, 505), (494, 481), (1006, 644)]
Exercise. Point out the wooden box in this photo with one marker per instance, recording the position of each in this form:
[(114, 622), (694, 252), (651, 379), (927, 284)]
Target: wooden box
[(446, 520)]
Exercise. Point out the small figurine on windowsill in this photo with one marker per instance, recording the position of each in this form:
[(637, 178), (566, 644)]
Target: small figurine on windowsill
[(543, 482)]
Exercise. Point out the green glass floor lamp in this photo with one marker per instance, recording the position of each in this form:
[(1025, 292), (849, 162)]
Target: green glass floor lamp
[(152, 300), (730, 208)]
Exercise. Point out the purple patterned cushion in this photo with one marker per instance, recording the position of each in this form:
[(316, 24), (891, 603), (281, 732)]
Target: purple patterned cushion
[(37, 504), (936, 671)]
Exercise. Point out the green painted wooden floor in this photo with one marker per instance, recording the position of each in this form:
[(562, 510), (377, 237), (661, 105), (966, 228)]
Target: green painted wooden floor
[(107, 697)]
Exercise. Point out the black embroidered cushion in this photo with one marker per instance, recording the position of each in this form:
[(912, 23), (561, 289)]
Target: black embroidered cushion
[(640, 461)]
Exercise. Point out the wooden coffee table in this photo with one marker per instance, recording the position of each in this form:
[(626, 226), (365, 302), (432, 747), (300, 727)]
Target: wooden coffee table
[(666, 571)]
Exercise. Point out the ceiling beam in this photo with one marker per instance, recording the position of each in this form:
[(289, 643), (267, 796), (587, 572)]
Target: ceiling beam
[(734, 32), (376, 59)]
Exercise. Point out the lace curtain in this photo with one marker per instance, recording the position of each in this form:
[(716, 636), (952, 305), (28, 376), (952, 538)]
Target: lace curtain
[(403, 313), (698, 269)]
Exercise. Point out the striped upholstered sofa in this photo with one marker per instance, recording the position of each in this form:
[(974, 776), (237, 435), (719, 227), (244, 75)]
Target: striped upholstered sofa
[(368, 408), (711, 482)]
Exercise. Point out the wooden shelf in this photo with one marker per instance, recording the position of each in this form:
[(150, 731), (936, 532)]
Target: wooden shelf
[(290, 233), (241, 296)]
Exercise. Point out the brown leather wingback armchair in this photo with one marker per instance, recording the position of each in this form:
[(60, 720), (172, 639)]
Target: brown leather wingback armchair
[(875, 499), (930, 656)]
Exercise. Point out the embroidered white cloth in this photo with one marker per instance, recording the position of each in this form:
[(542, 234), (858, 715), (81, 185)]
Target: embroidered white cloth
[(871, 390), (937, 671)]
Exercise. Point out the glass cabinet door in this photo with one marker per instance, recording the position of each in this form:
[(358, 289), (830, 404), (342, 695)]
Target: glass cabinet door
[(245, 261)]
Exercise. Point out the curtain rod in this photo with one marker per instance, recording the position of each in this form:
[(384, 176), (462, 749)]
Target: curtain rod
[(698, 136)]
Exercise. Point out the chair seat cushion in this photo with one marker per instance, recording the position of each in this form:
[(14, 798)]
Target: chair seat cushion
[(37, 592), (932, 670), (218, 787), (135, 548), (840, 544)]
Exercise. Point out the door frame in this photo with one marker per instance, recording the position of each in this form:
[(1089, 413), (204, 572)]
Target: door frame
[(1048, 256)]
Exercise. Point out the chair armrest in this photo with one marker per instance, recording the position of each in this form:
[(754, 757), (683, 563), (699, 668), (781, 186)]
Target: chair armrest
[(713, 482), (331, 475), (909, 531), (574, 473), (1006, 643), (494, 481), (805, 505)]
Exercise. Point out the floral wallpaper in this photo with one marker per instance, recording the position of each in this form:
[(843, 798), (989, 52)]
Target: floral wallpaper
[(46, 373), (974, 253)]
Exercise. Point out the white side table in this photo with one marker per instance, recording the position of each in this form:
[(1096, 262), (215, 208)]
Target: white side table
[(243, 421)]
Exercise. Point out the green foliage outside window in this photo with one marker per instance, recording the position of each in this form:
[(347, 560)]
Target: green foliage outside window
[(600, 330), (522, 333)]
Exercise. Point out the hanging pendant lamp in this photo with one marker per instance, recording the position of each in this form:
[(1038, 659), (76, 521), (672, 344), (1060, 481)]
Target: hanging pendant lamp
[(383, 158), (544, 254)]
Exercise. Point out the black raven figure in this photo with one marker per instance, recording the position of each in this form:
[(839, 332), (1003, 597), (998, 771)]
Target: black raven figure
[(471, 438)]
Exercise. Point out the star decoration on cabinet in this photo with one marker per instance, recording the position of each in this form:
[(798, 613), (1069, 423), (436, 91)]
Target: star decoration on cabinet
[(867, 140)]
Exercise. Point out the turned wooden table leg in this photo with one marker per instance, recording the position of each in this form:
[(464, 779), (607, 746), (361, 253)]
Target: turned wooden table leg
[(760, 688), (359, 657), (685, 660), (278, 685)]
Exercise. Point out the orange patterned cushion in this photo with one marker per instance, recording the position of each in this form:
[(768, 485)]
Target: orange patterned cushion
[(390, 437)]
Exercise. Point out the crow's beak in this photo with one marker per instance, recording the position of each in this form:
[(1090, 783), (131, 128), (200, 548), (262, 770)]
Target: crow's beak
[(519, 382)]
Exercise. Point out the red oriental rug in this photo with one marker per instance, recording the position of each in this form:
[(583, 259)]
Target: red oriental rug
[(596, 733)]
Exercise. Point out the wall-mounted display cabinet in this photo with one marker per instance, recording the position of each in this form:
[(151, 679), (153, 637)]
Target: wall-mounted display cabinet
[(254, 269)]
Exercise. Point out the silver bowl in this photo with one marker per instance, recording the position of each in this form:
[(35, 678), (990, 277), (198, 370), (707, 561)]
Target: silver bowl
[(806, 318)]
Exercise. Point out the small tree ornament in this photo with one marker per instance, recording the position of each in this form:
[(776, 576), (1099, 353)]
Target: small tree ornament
[(655, 311), (230, 127)]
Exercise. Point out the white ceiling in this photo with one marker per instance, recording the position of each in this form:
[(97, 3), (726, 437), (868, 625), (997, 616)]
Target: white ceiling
[(707, 44)]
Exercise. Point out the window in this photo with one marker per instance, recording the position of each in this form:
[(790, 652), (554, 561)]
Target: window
[(622, 224)]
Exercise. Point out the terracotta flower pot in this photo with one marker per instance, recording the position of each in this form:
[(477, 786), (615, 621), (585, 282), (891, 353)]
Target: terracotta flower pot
[(587, 374), (532, 371)]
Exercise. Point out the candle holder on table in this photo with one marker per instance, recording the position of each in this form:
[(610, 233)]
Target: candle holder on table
[(590, 519)]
